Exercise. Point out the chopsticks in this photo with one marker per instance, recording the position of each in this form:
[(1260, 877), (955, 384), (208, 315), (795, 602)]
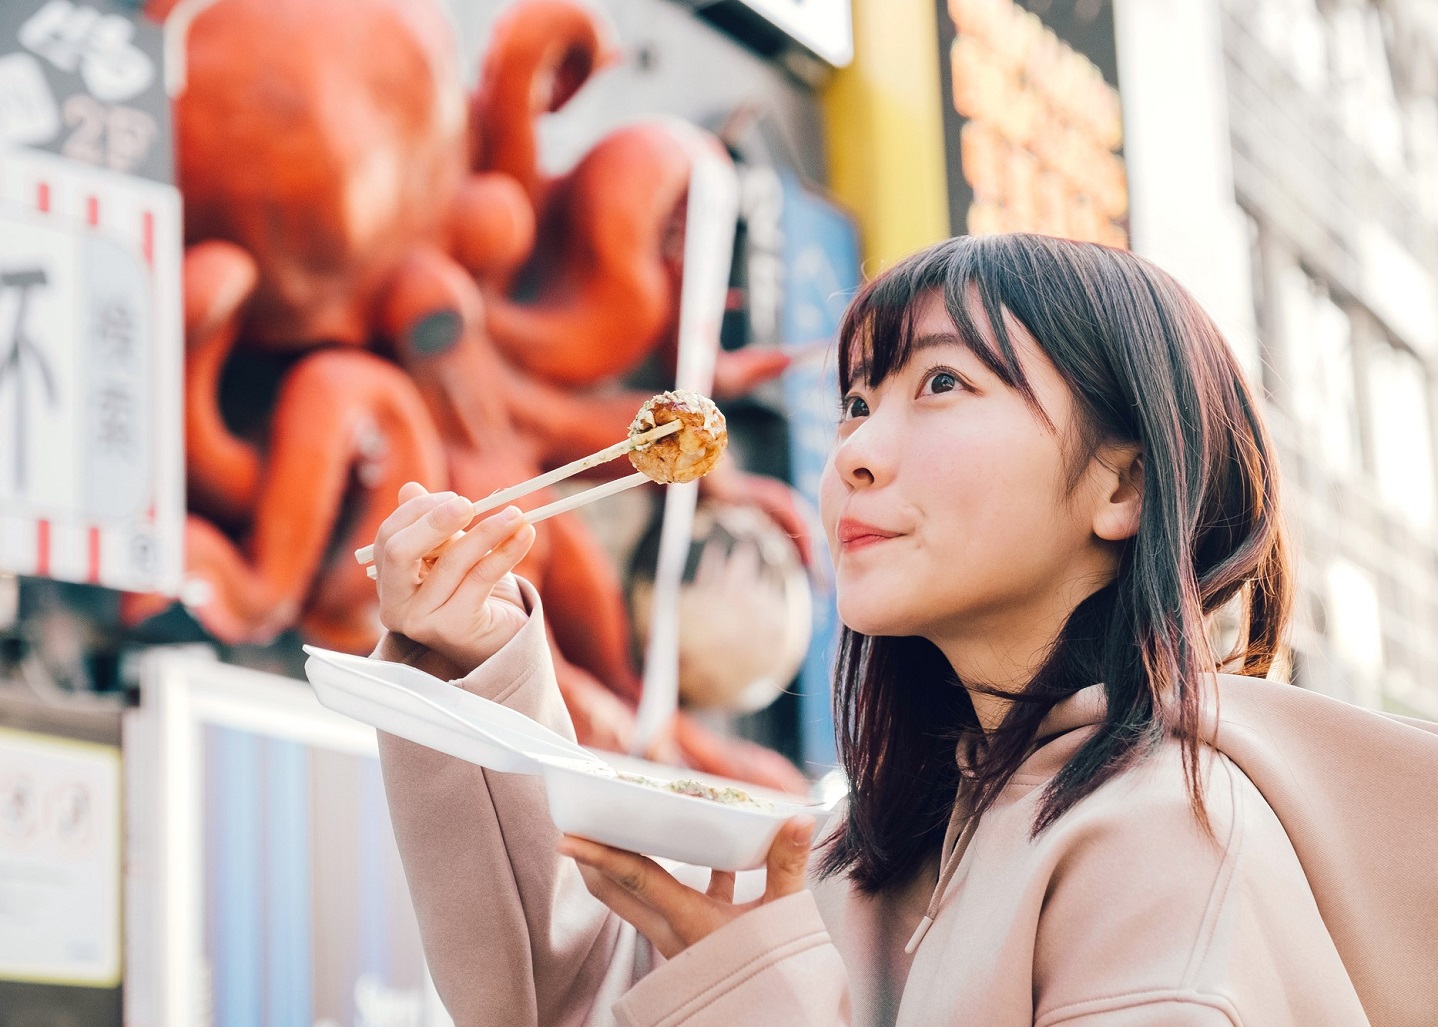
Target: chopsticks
[(504, 497)]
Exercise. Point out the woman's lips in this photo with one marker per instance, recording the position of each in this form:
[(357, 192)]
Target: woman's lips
[(854, 534)]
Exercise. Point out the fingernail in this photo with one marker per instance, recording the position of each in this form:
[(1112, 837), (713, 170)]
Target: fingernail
[(510, 514), (457, 506)]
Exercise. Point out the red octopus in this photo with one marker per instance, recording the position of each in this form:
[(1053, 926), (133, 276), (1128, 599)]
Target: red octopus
[(348, 223)]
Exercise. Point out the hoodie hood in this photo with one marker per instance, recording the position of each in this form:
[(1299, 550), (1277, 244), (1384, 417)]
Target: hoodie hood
[(1354, 790)]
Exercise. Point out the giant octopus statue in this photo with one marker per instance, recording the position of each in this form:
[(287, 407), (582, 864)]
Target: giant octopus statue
[(433, 308)]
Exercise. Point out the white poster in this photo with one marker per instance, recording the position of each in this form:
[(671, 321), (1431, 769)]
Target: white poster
[(59, 860), (91, 457), (91, 347)]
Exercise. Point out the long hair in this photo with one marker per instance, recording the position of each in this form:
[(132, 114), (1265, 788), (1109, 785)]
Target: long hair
[(1148, 367)]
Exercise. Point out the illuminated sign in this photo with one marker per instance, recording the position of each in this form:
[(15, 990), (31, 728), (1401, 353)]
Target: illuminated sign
[(1033, 125)]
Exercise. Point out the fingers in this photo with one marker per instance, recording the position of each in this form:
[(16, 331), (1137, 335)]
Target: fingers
[(460, 557), (410, 489), (446, 513), (637, 875), (788, 860), (645, 920), (721, 885), (414, 502), (793, 514), (487, 572)]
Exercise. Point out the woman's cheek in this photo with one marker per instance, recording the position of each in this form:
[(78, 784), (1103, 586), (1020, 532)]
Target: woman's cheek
[(831, 500)]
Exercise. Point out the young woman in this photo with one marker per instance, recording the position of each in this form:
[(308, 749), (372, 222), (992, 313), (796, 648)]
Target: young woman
[(1049, 479)]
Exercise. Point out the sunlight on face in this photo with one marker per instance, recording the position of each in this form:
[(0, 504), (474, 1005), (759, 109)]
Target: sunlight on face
[(947, 500)]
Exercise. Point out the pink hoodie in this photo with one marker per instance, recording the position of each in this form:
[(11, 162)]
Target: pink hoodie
[(1317, 906)]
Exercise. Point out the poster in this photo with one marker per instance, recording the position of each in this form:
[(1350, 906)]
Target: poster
[(91, 349), (1033, 123), (59, 860)]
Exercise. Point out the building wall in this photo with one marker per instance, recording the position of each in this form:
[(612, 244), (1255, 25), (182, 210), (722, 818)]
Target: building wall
[(1334, 141)]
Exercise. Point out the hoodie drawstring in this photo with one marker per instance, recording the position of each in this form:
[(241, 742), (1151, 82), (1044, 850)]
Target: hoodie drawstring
[(951, 866)]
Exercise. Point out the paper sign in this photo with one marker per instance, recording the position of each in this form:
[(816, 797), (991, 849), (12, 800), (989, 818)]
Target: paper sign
[(91, 459), (59, 860), (91, 349)]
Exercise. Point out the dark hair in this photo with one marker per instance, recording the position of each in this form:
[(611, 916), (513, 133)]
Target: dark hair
[(1146, 366)]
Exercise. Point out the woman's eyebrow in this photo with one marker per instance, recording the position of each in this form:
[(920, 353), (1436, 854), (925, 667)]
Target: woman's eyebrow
[(917, 345)]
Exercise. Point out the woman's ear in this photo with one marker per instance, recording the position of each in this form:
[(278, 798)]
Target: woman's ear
[(1116, 515)]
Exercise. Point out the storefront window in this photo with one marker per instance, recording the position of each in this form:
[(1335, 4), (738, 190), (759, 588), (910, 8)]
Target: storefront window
[(1318, 366), (1402, 434)]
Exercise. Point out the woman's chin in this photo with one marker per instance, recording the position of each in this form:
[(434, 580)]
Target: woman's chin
[(872, 618)]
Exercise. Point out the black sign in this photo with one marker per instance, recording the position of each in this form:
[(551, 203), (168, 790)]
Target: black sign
[(1033, 125), (84, 79)]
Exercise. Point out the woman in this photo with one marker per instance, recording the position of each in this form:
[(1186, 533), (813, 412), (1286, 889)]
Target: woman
[(1049, 479)]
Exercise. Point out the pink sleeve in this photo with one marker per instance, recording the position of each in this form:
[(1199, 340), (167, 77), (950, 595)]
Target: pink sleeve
[(773, 967), (510, 933), (1188, 1011)]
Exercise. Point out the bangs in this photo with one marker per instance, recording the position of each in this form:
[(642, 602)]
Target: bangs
[(876, 336)]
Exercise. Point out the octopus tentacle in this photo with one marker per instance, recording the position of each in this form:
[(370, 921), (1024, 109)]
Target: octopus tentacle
[(223, 470), (540, 53), (338, 410), (584, 602), (610, 239), (493, 227)]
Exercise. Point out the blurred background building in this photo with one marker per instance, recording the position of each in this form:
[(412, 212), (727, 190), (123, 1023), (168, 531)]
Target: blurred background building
[(219, 849), (1333, 117)]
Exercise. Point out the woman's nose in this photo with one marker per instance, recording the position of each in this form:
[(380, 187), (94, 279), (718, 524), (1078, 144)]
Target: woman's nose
[(860, 457)]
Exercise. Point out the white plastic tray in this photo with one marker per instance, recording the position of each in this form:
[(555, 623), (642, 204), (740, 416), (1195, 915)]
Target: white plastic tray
[(584, 798)]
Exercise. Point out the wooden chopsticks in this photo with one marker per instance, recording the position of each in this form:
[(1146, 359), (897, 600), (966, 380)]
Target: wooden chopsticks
[(506, 496)]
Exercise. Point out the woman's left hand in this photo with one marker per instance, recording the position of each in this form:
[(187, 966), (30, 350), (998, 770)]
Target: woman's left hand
[(674, 916)]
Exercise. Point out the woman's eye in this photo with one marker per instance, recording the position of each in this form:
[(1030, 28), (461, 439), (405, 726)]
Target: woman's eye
[(942, 381), (853, 406)]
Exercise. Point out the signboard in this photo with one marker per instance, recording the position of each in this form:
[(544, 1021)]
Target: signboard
[(91, 348), (1033, 126), (824, 28), (59, 860)]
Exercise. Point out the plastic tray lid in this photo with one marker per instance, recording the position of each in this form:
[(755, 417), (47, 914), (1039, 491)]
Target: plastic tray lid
[(413, 704)]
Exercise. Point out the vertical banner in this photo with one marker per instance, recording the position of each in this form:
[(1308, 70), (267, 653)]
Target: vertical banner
[(1033, 124), (820, 247), (711, 214), (91, 348)]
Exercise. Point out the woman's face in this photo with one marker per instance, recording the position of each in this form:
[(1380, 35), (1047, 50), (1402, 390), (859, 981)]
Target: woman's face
[(947, 499)]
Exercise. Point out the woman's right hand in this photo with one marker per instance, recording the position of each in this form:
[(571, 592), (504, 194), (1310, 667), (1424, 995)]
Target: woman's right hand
[(466, 605)]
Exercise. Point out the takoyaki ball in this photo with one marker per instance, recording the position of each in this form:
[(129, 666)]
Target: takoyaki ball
[(689, 453)]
